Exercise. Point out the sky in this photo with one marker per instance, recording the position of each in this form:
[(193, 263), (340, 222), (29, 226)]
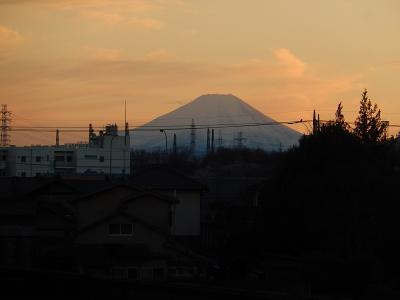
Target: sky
[(74, 62)]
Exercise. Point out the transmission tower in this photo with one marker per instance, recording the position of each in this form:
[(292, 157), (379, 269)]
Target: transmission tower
[(220, 140), (192, 137), (5, 126), (239, 140)]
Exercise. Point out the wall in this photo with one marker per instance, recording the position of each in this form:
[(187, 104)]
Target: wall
[(141, 235), (101, 204)]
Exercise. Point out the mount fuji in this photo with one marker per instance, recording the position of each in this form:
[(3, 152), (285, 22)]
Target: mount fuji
[(213, 111)]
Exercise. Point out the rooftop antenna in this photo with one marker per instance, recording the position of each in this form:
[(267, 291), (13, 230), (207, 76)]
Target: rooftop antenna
[(5, 126)]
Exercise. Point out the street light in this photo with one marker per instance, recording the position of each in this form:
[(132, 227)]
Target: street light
[(166, 140)]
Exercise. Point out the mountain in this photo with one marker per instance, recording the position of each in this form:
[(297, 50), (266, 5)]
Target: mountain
[(209, 110)]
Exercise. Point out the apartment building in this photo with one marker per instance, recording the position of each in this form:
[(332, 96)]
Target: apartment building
[(105, 153)]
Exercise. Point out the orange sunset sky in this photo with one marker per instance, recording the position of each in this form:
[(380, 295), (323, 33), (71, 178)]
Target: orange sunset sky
[(71, 62)]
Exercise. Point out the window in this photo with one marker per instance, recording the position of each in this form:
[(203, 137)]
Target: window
[(37, 174), (23, 174), (158, 274), (114, 229), (101, 158), (38, 158), (23, 158), (69, 158), (48, 157), (120, 229), (59, 158), (90, 156), (133, 273), (126, 229)]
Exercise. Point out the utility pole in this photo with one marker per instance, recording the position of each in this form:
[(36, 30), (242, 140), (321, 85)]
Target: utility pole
[(316, 123), (212, 141), (174, 145), (208, 140), (166, 140), (192, 137), (5, 126)]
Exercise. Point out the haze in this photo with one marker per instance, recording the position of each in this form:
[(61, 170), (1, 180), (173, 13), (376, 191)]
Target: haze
[(74, 62)]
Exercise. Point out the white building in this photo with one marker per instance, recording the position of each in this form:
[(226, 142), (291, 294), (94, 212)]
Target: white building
[(105, 153)]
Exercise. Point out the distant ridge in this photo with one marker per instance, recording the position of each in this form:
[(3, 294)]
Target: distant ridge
[(216, 109)]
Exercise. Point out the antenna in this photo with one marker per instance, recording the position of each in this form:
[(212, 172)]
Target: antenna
[(5, 126)]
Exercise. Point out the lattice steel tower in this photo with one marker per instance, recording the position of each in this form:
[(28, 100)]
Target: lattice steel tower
[(5, 126)]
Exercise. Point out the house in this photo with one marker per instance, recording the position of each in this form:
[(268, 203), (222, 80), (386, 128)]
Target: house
[(128, 232), (100, 226), (188, 192)]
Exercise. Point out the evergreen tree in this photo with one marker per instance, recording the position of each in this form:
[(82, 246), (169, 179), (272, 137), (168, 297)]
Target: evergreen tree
[(369, 127), (339, 117)]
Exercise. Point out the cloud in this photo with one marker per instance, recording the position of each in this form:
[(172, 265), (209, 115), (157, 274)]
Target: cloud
[(157, 55), (9, 40), (131, 5), (102, 54), (118, 19), (292, 65), (129, 14), (103, 17), (88, 88)]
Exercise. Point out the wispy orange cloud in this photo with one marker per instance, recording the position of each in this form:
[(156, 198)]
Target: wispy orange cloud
[(291, 64), (9, 39), (119, 19)]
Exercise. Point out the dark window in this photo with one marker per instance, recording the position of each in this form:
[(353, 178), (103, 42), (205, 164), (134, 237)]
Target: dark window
[(23, 174), (114, 229), (23, 158), (126, 229), (158, 274), (120, 229), (38, 158), (48, 157), (69, 158), (101, 158), (90, 156), (59, 158), (133, 273), (170, 218), (4, 157), (37, 174)]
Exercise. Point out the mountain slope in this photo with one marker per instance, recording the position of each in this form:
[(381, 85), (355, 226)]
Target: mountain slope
[(210, 110)]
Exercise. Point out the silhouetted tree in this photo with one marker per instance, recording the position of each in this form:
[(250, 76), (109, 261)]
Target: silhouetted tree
[(339, 118), (368, 126)]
